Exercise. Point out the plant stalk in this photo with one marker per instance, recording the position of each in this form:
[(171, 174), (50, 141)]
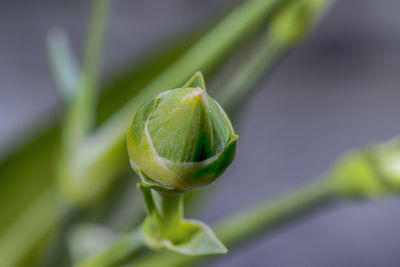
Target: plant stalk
[(81, 111), (259, 65), (168, 212), (80, 115)]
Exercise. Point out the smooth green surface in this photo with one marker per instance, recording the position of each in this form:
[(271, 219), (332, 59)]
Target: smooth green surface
[(290, 25)]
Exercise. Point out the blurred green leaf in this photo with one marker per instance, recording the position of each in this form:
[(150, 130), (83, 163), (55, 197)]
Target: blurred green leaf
[(86, 240), (63, 63)]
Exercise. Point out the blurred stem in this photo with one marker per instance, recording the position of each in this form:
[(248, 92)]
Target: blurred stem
[(80, 115), (166, 211), (245, 79), (289, 26), (265, 218), (63, 64), (125, 247)]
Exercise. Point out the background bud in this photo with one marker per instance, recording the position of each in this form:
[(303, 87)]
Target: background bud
[(386, 156), (181, 139), (369, 172)]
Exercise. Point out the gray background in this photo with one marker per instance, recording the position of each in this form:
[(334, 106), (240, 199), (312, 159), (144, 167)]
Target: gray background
[(338, 91)]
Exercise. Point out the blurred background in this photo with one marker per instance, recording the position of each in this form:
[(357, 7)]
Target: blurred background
[(337, 91)]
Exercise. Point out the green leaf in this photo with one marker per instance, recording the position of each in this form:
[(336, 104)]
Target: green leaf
[(195, 239), (165, 228)]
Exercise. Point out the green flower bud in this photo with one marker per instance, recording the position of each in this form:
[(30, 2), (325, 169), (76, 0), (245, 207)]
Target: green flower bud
[(386, 157), (291, 24), (369, 172), (181, 139)]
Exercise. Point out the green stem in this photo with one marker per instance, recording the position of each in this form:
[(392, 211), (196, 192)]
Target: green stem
[(168, 212), (263, 218), (245, 79), (81, 111), (63, 63), (126, 247), (80, 116), (267, 216), (290, 25)]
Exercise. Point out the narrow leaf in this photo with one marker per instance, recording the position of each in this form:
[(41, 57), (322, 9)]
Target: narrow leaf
[(62, 62)]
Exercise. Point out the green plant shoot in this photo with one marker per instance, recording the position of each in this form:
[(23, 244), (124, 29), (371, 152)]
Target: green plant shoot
[(179, 141)]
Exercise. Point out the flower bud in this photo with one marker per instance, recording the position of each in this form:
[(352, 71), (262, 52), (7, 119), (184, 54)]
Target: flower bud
[(181, 139), (369, 172), (386, 156)]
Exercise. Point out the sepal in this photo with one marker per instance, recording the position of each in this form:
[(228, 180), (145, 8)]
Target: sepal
[(165, 227)]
